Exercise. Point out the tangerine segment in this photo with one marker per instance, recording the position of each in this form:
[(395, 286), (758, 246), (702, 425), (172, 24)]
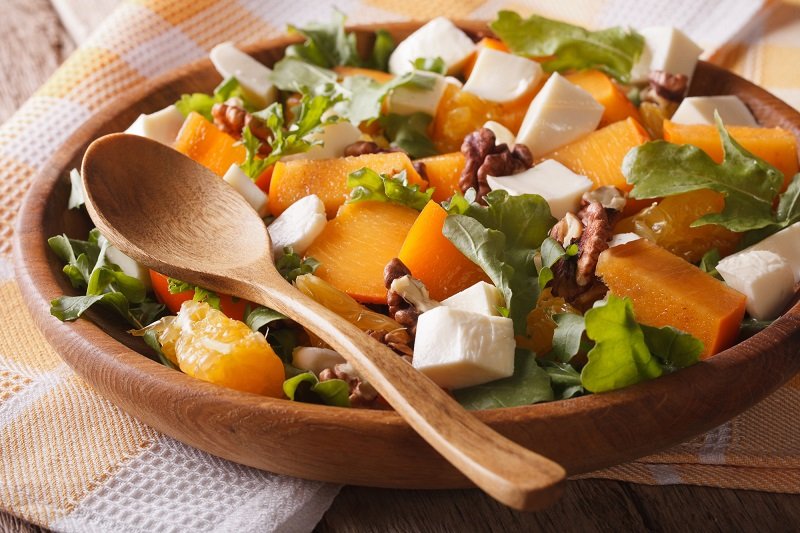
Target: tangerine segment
[(540, 326), (207, 345)]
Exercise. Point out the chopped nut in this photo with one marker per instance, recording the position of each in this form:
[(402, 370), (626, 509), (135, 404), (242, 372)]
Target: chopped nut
[(485, 158), (232, 118), (414, 292), (567, 230), (404, 311), (672, 87), (398, 340), (608, 196), (594, 240), (362, 394), (362, 148)]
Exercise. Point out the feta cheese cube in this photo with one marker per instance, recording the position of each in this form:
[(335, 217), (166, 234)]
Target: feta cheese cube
[(457, 348), (483, 298), (251, 75), (502, 77), (667, 49), (162, 126), (764, 277), (622, 238), (700, 110), (315, 359), (560, 113), (129, 266), (236, 178), (502, 135), (437, 38), (334, 139), (407, 100), (554, 182), (785, 243), (298, 226)]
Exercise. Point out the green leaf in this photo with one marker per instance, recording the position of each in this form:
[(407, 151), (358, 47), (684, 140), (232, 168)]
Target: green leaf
[(502, 238), (675, 348), (331, 392), (709, 262), (202, 103), (368, 185), (381, 51), (253, 165), (71, 307), (431, 64), (409, 133), (459, 204), (620, 356), (76, 194), (366, 95), (176, 286), (290, 265), (567, 336), (788, 213), (260, 316), (326, 45), (530, 384), (613, 50), (551, 251), (750, 184), (566, 381), (294, 75)]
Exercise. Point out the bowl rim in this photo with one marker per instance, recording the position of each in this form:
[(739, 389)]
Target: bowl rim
[(84, 339)]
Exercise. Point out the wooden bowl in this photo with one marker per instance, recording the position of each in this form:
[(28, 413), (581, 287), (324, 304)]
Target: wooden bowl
[(362, 447)]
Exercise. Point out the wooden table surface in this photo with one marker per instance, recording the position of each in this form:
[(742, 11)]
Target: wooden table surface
[(588, 505)]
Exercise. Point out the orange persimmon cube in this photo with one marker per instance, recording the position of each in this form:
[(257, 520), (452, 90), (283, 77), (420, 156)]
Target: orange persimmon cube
[(377, 75), (208, 145), (443, 172)]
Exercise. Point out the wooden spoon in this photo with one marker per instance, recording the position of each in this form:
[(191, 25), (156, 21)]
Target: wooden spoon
[(178, 218)]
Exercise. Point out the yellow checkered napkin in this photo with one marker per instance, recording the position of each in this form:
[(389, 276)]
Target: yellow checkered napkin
[(71, 461)]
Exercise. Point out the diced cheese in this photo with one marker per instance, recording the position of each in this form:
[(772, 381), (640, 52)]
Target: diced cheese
[(407, 100), (437, 38), (237, 179), (622, 238), (334, 139), (482, 298), (502, 135), (502, 77), (298, 226), (785, 243), (457, 348), (666, 49), (162, 126), (315, 359), (560, 113), (764, 277), (128, 266), (251, 75), (557, 184), (700, 110)]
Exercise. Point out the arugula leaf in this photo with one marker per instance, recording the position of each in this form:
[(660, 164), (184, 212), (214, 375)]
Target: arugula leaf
[(749, 183), (613, 50), (307, 388), (290, 264), (673, 347), (366, 95), (76, 194), (431, 64), (566, 381), (567, 336), (530, 384), (202, 103), (253, 165), (788, 213), (409, 133), (709, 261), (751, 326), (502, 238), (620, 356), (327, 44), (176, 286), (260, 316), (294, 75), (381, 51), (368, 185)]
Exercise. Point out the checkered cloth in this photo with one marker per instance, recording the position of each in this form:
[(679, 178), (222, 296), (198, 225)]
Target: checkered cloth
[(71, 461)]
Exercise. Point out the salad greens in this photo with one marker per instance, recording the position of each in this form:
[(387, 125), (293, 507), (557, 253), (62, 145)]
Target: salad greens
[(431, 64), (409, 133), (613, 50), (176, 286), (291, 264), (307, 388), (202, 103), (366, 184)]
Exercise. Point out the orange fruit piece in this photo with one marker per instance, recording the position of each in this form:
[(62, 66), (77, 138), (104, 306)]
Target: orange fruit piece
[(208, 145), (443, 172), (604, 90), (540, 325)]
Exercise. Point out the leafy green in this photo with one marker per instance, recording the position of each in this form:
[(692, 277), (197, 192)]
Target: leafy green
[(290, 264), (307, 388), (409, 133), (431, 64), (368, 185), (565, 380), (750, 184), (502, 239), (567, 336), (612, 50), (260, 316), (673, 347), (76, 194), (709, 261), (104, 282), (294, 75), (530, 384), (176, 286), (551, 251), (326, 44), (381, 51), (202, 103), (751, 326), (788, 213)]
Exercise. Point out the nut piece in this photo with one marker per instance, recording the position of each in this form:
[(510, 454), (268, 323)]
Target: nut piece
[(407, 299), (594, 240), (672, 87), (398, 340), (485, 158), (232, 118), (362, 394)]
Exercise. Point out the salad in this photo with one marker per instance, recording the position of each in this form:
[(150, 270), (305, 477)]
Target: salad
[(530, 216)]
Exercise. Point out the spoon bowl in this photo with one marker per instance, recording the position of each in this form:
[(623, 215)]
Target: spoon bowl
[(175, 216)]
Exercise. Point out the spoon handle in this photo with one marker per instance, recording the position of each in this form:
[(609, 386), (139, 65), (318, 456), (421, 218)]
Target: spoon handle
[(505, 470)]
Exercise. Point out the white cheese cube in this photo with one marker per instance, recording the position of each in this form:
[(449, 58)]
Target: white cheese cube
[(700, 110), (764, 277), (502, 135), (483, 298), (622, 238), (457, 348), (437, 38), (334, 137), (667, 49), (561, 113), (298, 226), (162, 126), (128, 266), (407, 100), (502, 77), (315, 359), (251, 75), (236, 178), (785, 243), (554, 182)]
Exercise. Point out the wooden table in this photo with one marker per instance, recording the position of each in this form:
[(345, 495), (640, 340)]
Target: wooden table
[(589, 505)]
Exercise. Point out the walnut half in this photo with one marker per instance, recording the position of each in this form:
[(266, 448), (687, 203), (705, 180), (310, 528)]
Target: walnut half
[(485, 158)]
